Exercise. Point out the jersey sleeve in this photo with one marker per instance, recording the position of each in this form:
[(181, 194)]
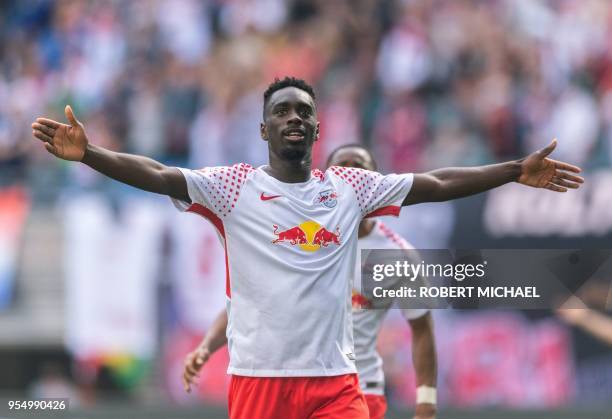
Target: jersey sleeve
[(376, 194), (215, 188)]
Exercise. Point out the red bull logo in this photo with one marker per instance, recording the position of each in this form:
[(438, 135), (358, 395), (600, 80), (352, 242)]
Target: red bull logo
[(293, 235), (324, 237), (309, 236), (359, 301)]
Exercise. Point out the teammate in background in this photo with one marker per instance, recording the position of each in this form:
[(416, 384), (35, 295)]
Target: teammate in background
[(368, 316), (290, 341), (366, 322)]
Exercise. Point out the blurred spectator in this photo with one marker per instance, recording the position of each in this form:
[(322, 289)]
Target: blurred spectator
[(427, 83)]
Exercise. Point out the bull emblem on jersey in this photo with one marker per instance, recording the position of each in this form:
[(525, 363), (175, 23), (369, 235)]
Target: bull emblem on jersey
[(309, 236), (294, 235), (328, 198)]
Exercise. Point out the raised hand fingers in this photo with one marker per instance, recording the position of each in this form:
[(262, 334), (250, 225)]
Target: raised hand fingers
[(559, 165), (561, 182), (44, 128), (555, 188), (548, 149), (45, 138), (70, 116), (42, 136), (565, 175), (48, 122)]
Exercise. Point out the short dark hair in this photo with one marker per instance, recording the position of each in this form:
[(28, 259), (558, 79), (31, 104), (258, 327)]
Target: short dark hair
[(352, 145), (279, 84)]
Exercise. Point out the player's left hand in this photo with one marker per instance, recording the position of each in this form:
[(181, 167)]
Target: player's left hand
[(539, 171), (425, 411)]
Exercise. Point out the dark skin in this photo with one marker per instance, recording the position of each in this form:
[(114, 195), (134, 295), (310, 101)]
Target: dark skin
[(70, 142), (213, 341), (536, 170), (290, 110), (290, 158), (424, 361), (423, 340)]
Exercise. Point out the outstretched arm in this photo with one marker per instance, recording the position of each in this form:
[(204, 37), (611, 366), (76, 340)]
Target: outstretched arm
[(597, 324), (536, 170), (214, 339), (70, 142), (424, 360)]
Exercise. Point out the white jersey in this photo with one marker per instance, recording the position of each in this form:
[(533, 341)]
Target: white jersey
[(290, 252), (367, 321)]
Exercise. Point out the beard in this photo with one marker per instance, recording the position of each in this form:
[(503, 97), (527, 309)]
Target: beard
[(293, 154)]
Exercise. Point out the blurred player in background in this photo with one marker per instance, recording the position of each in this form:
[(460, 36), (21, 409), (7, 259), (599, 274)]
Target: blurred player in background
[(290, 236), (367, 319), (577, 314), (589, 320), (368, 315)]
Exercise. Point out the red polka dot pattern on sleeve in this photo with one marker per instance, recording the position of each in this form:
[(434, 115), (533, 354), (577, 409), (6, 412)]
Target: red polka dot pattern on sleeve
[(224, 185), (318, 174), (368, 186)]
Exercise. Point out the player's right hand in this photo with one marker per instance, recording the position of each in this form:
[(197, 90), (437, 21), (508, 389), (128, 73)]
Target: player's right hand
[(67, 142), (194, 361)]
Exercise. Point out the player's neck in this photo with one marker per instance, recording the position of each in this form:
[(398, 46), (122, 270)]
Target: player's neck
[(289, 171), (365, 228)]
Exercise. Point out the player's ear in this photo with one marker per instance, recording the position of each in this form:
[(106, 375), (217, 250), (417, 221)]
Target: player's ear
[(263, 132)]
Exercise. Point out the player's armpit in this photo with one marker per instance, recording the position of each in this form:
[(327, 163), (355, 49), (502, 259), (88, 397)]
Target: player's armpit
[(176, 184), (425, 188)]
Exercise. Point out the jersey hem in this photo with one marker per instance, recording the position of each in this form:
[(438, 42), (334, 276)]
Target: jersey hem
[(373, 391), (290, 373)]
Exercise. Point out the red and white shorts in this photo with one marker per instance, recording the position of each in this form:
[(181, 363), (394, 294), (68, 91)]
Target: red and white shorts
[(296, 398), (377, 405)]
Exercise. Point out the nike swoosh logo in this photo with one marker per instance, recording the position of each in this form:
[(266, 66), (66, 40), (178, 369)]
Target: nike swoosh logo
[(267, 198)]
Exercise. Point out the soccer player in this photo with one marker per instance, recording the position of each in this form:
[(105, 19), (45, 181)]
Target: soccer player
[(366, 322), (368, 316), (290, 235)]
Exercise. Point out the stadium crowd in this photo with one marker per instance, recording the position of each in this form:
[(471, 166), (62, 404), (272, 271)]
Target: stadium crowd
[(425, 83)]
